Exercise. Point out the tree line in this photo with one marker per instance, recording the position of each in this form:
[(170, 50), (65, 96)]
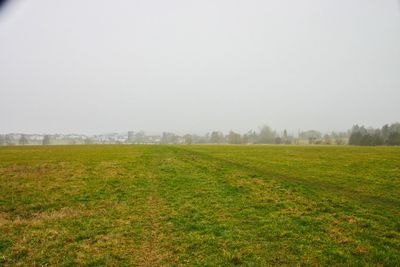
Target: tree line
[(387, 135), (264, 135), (358, 135)]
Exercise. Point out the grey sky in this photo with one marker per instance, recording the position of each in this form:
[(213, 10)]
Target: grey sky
[(193, 66)]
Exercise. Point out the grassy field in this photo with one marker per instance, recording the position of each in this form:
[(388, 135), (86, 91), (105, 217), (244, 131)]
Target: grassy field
[(199, 205)]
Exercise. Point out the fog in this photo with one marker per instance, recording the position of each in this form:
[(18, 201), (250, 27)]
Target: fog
[(196, 66)]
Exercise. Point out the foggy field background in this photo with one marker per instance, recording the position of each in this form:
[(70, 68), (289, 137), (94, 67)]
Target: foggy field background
[(93, 67), (200, 133)]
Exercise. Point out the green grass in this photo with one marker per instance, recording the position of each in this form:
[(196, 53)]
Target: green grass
[(199, 205)]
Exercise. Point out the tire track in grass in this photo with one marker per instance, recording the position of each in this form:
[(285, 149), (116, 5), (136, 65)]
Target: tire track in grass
[(154, 227), (342, 239), (335, 189), (149, 251), (219, 221)]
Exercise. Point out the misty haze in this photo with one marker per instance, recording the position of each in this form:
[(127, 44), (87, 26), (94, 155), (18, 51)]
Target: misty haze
[(164, 133)]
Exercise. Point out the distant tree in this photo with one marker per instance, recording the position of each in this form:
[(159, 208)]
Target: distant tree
[(394, 139), (188, 139), (72, 141), (164, 138), (23, 140), (327, 139), (359, 129), (216, 137), (355, 128), (278, 140), (363, 130), (207, 138), (312, 136), (266, 136), (140, 137), (234, 138), (46, 140), (338, 138), (251, 137), (89, 141), (245, 139), (368, 137), (367, 140), (131, 137), (385, 132), (377, 139), (395, 127), (9, 140), (2, 140), (285, 134), (169, 138), (355, 138), (197, 139)]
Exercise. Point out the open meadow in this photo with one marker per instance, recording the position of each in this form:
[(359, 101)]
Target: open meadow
[(152, 205)]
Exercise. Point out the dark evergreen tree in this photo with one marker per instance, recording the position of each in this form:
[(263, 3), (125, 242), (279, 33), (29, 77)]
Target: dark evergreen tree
[(393, 139), (355, 138)]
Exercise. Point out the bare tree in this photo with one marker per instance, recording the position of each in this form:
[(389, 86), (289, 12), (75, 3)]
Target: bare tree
[(217, 137), (9, 140), (188, 139), (234, 138), (89, 141), (23, 140), (46, 140), (266, 135)]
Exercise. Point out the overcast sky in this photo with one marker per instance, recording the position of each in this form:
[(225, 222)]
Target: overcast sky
[(193, 66)]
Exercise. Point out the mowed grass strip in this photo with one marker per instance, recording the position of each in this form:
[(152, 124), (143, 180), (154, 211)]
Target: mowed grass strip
[(199, 205)]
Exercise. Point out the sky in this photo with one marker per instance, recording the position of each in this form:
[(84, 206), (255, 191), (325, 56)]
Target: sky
[(188, 66)]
